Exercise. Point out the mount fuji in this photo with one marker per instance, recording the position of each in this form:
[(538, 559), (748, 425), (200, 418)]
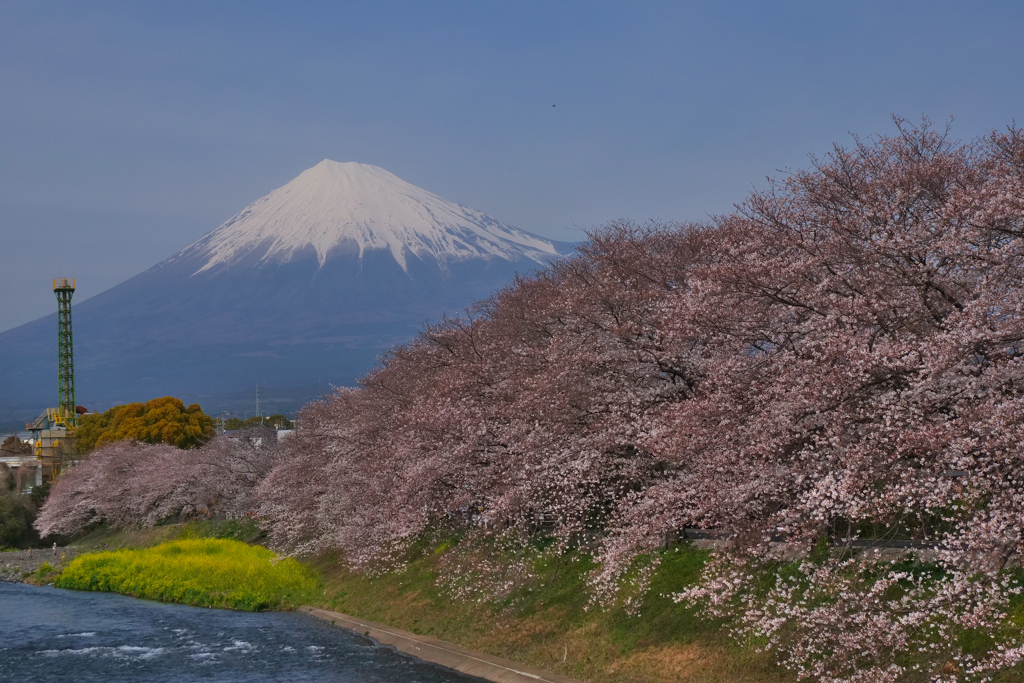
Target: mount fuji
[(299, 291)]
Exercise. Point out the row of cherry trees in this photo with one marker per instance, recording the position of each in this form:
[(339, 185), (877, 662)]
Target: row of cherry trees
[(842, 355), (129, 484), (843, 352)]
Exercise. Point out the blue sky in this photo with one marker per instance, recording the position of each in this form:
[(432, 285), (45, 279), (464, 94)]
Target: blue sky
[(128, 130)]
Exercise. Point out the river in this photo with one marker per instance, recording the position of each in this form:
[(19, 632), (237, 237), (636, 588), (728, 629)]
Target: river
[(49, 634)]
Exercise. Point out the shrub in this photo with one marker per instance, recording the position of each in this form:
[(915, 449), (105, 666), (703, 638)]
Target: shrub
[(17, 512), (203, 572)]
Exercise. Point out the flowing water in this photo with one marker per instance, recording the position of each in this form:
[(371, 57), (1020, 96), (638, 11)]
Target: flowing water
[(48, 634)]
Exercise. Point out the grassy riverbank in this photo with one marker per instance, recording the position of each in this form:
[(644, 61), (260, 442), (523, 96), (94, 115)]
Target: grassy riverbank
[(545, 618), (546, 621), (202, 572), (549, 622)]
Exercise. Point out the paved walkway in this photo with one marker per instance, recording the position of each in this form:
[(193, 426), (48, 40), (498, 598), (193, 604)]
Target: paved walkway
[(439, 652)]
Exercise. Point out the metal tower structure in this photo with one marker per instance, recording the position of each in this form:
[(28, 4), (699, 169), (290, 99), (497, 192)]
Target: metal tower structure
[(65, 354)]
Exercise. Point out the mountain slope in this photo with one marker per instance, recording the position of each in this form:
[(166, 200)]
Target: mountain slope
[(299, 291)]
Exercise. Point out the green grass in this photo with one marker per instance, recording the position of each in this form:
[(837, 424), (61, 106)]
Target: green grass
[(245, 530), (105, 538), (205, 572), (550, 621)]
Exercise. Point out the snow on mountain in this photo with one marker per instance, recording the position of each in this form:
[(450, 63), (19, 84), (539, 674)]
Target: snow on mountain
[(353, 208)]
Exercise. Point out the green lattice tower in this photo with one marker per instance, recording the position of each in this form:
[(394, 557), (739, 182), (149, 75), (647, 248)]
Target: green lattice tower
[(65, 353)]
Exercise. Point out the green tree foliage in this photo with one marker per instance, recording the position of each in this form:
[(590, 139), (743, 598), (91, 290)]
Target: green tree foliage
[(162, 420), (272, 421), (17, 512)]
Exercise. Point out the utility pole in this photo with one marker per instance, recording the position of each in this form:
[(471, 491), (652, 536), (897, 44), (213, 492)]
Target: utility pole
[(259, 402)]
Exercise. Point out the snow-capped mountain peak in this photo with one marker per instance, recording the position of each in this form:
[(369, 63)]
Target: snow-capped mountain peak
[(354, 208)]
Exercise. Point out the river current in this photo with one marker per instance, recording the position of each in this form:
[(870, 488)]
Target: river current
[(48, 634)]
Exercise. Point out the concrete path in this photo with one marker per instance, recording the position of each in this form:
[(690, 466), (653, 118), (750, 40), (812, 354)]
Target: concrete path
[(439, 652)]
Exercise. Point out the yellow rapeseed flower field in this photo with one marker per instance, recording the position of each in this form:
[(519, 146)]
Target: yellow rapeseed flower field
[(205, 572)]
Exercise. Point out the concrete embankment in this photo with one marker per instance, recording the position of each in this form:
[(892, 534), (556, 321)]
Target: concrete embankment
[(16, 564), (436, 651)]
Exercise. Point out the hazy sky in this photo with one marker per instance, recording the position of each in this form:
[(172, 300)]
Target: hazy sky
[(128, 130)]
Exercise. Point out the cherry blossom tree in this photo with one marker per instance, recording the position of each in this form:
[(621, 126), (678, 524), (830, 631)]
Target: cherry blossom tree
[(530, 405), (869, 373), (839, 357), (130, 484)]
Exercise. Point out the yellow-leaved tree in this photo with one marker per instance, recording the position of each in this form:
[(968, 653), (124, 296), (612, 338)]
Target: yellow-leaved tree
[(162, 420)]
